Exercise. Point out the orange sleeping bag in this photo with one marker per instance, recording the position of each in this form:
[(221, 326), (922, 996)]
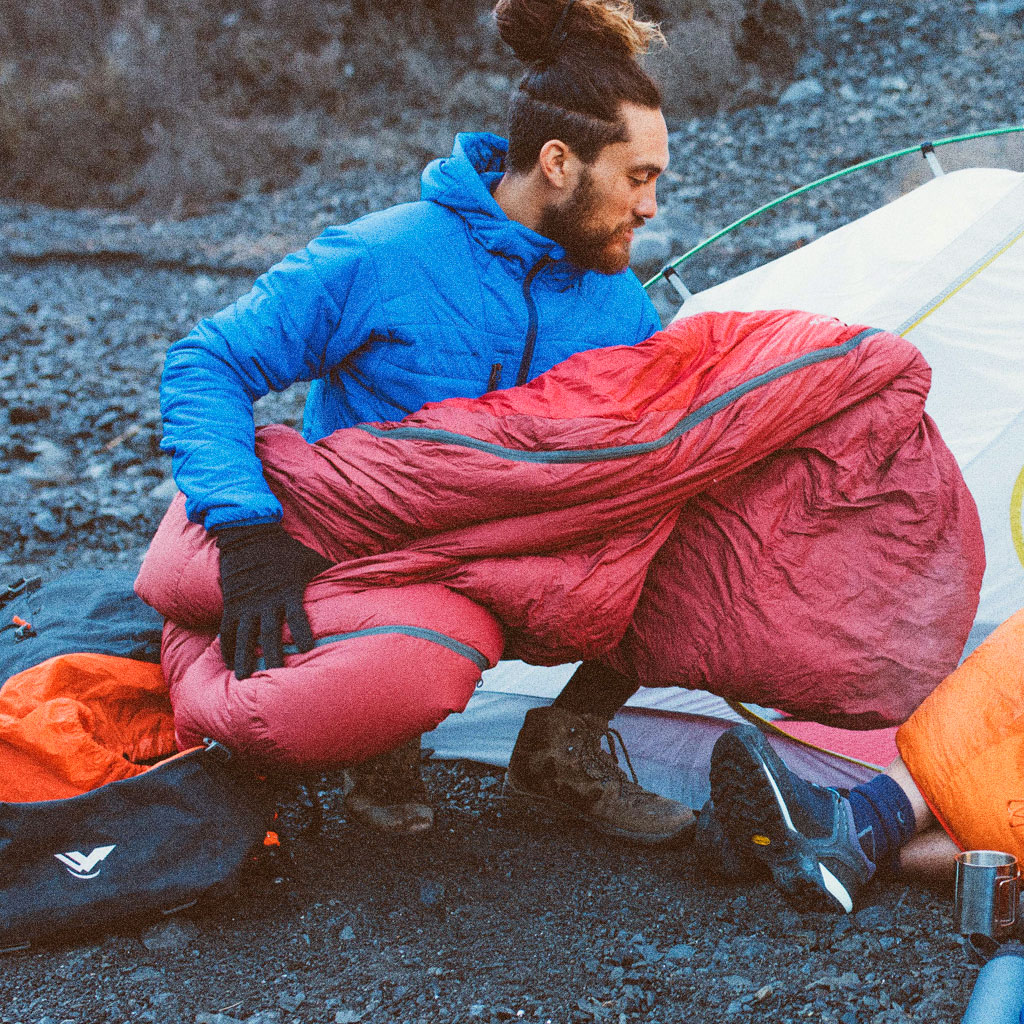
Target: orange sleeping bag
[(964, 745)]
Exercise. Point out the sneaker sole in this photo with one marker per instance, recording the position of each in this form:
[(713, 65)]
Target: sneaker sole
[(754, 811), (557, 810)]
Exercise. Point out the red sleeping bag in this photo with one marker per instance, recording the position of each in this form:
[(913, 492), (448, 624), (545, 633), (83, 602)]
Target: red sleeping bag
[(751, 503)]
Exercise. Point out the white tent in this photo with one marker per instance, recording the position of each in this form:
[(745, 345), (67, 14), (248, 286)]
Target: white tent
[(942, 265)]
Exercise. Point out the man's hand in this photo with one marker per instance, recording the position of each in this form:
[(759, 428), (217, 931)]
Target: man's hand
[(263, 575)]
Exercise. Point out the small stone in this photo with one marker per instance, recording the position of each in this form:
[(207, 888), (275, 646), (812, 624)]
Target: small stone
[(431, 893), (348, 1017), (681, 951), (291, 1001), (78, 518), (804, 91), (347, 934), (165, 490), (170, 936), (477, 1010), (894, 83), (650, 953), (737, 983), (264, 1017), (144, 974), (876, 918), (798, 231), (47, 524), (51, 465)]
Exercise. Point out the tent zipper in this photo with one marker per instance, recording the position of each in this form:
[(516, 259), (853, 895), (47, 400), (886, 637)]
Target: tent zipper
[(531, 331)]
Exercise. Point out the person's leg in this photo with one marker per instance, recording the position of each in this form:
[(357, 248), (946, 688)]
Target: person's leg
[(559, 762), (388, 794), (929, 858), (820, 845), (595, 689), (930, 854), (900, 774), (888, 811)]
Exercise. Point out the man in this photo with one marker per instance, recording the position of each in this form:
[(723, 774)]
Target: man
[(515, 258)]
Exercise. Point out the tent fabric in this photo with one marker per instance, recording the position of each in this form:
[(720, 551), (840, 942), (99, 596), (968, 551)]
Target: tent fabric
[(78, 721), (548, 507), (964, 746), (668, 732), (943, 266)]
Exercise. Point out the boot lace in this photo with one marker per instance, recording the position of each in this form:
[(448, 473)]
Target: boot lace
[(604, 764), (611, 735)]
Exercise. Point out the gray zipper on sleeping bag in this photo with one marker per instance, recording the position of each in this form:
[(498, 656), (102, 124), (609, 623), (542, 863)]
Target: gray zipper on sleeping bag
[(531, 329), (626, 451), (419, 632)]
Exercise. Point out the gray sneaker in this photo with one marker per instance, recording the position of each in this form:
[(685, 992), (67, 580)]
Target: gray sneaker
[(714, 851), (803, 833)]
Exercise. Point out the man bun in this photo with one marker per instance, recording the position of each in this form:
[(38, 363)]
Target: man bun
[(536, 30), (581, 68)]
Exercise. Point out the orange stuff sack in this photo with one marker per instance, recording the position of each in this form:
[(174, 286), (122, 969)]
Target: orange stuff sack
[(964, 745), (79, 721)]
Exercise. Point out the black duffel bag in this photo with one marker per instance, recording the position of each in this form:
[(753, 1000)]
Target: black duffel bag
[(186, 824)]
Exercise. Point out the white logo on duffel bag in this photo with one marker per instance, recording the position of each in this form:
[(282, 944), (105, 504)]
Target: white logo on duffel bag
[(81, 865)]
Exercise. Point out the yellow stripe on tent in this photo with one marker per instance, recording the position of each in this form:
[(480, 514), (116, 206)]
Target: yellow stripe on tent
[(943, 297)]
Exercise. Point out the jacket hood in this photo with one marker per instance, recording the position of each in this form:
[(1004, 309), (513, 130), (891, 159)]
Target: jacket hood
[(463, 182)]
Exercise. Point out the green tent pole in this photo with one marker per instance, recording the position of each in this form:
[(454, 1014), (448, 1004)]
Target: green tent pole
[(668, 272)]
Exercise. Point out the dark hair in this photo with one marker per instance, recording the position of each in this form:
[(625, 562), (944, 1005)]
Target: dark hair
[(581, 67)]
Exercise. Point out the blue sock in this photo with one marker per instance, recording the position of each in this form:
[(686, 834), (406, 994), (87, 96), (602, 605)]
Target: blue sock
[(882, 816)]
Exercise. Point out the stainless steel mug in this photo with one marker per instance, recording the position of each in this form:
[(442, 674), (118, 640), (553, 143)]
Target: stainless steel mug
[(987, 892)]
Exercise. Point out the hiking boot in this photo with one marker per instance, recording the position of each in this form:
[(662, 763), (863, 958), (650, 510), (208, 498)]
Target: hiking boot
[(804, 834), (558, 761), (388, 794)]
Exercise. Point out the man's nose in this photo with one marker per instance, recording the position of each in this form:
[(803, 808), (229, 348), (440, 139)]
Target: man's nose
[(648, 205)]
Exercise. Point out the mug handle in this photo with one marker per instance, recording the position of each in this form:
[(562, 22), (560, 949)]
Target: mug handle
[(1014, 898)]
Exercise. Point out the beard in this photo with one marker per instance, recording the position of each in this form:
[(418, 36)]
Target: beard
[(588, 245)]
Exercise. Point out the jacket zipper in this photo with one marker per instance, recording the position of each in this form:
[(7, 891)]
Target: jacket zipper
[(495, 378), (531, 331)]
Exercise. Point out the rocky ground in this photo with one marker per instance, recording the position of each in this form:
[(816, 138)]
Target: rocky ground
[(490, 917)]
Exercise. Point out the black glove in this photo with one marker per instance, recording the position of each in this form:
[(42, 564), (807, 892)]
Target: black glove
[(263, 575)]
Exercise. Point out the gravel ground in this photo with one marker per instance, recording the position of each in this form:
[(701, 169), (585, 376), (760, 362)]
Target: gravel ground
[(492, 917)]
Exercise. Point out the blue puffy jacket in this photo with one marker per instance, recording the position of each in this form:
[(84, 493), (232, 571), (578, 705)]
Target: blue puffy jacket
[(414, 304)]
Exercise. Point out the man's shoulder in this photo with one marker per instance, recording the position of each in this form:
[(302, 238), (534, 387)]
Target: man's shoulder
[(401, 231), (404, 223)]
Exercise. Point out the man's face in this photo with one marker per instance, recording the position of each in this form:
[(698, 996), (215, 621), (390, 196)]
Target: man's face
[(612, 196)]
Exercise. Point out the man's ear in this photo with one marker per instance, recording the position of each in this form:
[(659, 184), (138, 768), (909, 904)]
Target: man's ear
[(557, 163)]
